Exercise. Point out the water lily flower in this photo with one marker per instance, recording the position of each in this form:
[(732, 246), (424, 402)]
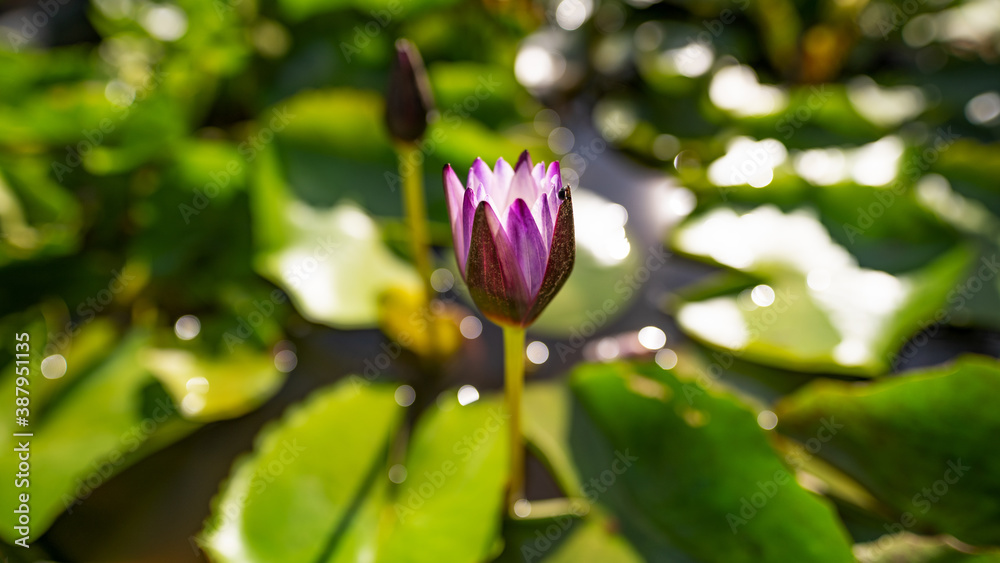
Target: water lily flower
[(513, 234)]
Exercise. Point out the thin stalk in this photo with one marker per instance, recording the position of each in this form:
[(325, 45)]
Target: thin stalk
[(412, 170), (513, 345)]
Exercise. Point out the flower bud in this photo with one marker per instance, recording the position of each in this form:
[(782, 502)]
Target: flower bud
[(409, 100), (514, 236)]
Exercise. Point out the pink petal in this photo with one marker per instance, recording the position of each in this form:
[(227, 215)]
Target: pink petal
[(454, 195), (532, 253), (494, 277), (562, 255), (480, 173), (553, 178), (454, 192), (543, 218), (468, 212), (502, 176), (538, 173), (523, 185)]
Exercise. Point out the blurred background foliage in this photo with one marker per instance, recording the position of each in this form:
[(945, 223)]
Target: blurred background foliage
[(777, 344)]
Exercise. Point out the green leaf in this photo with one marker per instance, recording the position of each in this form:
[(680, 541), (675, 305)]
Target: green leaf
[(335, 146), (342, 121), (315, 488), (209, 389), (487, 91), (453, 498), (332, 262), (565, 539), (547, 417), (595, 540), (58, 116), (920, 549), (306, 478), (382, 12), (903, 437), (109, 417), (681, 469), (816, 310), (38, 217)]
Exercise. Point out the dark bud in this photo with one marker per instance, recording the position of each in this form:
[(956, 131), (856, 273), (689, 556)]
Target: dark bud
[(409, 101)]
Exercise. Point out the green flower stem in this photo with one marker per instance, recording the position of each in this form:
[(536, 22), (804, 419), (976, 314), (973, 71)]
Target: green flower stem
[(513, 340), (412, 170)]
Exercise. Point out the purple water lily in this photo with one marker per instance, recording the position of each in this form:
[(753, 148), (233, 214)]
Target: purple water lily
[(514, 237)]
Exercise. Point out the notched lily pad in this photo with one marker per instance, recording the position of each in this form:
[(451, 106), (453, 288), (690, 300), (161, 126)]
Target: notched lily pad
[(317, 487), (285, 501)]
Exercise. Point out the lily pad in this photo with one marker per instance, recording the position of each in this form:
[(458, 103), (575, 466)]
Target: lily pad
[(705, 485), (815, 309), (547, 410), (334, 499), (596, 540), (921, 549), (293, 473), (209, 389), (331, 261), (301, 9), (452, 501), (923, 444), (567, 538), (335, 146), (112, 415), (38, 217)]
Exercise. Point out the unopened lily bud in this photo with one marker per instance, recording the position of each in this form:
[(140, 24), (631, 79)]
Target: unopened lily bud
[(514, 236), (409, 100)]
